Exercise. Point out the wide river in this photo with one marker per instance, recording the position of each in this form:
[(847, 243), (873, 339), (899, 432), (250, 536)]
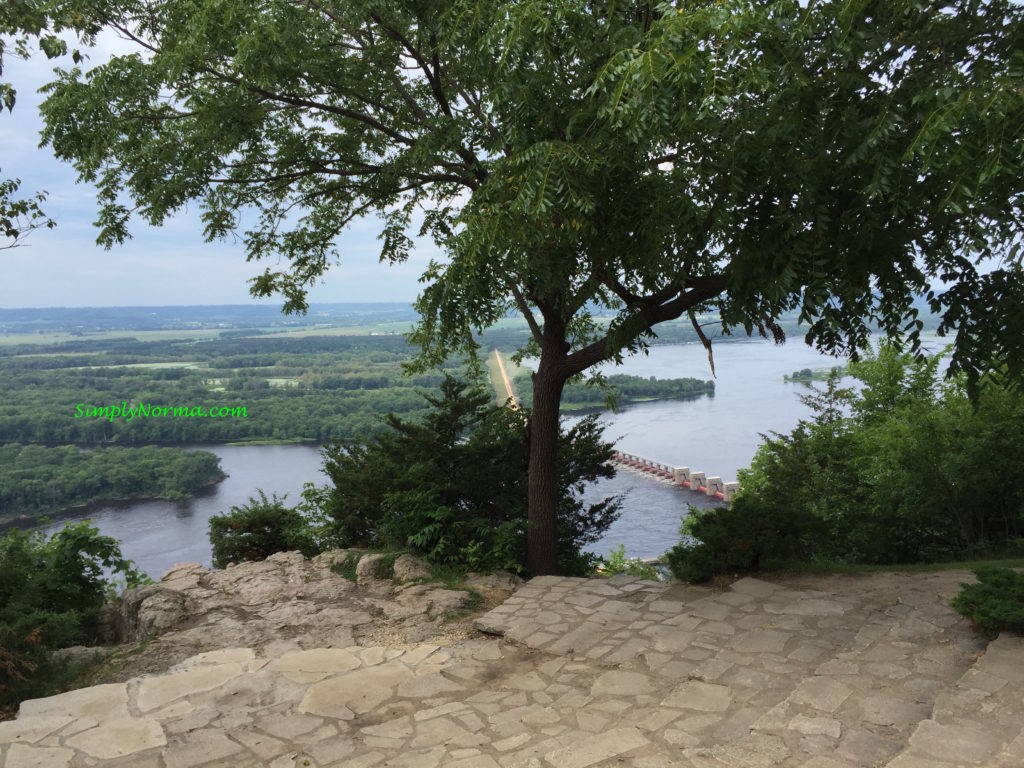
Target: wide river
[(716, 435)]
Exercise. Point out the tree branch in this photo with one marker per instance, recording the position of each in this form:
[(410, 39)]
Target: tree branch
[(524, 308), (603, 349)]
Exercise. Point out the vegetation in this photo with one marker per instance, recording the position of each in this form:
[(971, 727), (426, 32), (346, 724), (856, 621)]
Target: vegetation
[(741, 159), (807, 375), (451, 486), (619, 389), (904, 470), (339, 387), (36, 480), (741, 537), (995, 603), (51, 593), (256, 530), (346, 567), (20, 23), (617, 563)]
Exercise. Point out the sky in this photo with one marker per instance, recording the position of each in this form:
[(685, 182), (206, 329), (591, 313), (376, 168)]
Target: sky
[(169, 265)]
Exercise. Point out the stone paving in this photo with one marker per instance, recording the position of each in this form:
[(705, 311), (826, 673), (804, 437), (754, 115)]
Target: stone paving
[(809, 672)]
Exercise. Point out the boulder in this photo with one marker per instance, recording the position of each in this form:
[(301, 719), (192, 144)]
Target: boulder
[(373, 568), (83, 654), (502, 581), (409, 568), (142, 612)]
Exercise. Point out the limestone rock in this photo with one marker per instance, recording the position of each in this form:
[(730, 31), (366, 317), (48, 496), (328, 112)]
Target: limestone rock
[(371, 568), (283, 604), (502, 581), (409, 568), (144, 611), (82, 654)]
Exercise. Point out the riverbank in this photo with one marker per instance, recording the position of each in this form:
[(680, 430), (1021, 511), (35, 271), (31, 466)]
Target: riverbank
[(78, 510)]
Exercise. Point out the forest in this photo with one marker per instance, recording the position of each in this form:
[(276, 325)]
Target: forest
[(620, 389), (36, 479), (316, 389), (320, 388)]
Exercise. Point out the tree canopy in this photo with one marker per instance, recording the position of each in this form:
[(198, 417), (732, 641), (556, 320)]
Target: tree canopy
[(21, 22), (649, 160)]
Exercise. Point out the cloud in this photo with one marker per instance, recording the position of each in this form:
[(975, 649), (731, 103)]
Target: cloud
[(166, 265)]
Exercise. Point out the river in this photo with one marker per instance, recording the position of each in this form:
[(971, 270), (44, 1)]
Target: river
[(716, 435)]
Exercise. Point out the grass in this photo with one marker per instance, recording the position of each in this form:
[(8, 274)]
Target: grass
[(455, 579), (471, 606), (347, 567), (387, 564)]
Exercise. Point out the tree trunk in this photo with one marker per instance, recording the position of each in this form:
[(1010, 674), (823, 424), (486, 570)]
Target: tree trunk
[(542, 482)]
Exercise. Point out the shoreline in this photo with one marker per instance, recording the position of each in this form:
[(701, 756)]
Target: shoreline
[(34, 521)]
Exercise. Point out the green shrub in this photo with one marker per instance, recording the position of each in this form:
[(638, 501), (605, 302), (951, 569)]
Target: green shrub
[(904, 470), (51, 593), (996, 603), (746, 536), (256, 530), (617, 563), (452, 487)]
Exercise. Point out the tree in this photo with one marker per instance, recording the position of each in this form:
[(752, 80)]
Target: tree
[(258, 529), (52, 590), (452, 485), (21, 22), (644, 159)]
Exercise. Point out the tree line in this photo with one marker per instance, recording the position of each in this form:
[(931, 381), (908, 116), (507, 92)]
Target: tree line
[(619, 389), (318, 389), (37, 480)]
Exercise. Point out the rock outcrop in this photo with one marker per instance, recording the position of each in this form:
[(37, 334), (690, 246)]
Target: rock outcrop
[(286, 603), (806, 671)]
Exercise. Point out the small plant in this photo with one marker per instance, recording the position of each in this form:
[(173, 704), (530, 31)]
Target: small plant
[(386, 565), (995, 603), (346, 568), (617, 564), (473, 602)]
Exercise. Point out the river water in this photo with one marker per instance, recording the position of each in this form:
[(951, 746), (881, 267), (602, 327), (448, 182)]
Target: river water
[(716, 435)]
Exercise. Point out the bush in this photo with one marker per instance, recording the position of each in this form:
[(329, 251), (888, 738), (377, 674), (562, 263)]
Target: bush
[(996, 603), (51, 593), (618, 564), (452, 487), (905, 470), (746, 536), (256, 530)]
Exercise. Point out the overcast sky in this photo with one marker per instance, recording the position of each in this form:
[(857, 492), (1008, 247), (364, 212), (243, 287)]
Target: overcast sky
[(159, 266)]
